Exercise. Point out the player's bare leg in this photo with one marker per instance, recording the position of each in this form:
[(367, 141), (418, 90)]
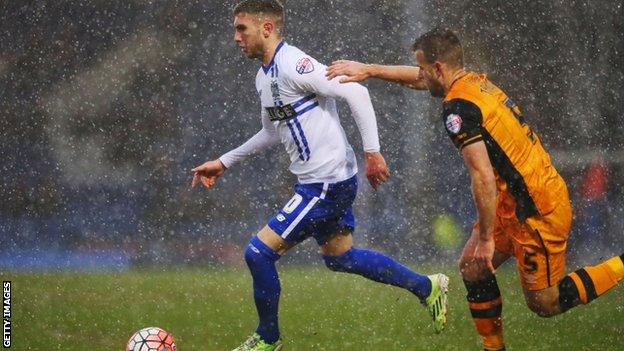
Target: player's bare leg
[(483, 296), (577, 288), (340, 256), (271, 239), (545, 302), (338, 243), (261, 254)]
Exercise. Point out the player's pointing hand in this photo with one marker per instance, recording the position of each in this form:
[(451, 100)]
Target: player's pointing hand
[(376, 169), (207, 173), (352, 70)]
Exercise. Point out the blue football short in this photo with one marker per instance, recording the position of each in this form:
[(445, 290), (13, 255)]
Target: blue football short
[(318, 210)]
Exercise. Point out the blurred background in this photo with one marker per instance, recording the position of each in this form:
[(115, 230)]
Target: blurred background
[(107, 105)]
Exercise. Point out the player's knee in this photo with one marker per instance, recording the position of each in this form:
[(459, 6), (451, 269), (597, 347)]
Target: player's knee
[(543, 303), (536, 308), (461, 264), (257, 251), (250, 254), (469, 269), (340, 263), (333, 264), (542, 310)]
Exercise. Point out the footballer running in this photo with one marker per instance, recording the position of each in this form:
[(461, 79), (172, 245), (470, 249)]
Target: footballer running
[(299, 110)]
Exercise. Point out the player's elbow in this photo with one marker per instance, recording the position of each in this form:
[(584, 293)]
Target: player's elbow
[(486, 177), (484, 180), (356, 92), (362, 91)]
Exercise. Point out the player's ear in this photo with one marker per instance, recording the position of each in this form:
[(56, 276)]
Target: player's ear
[(439, 68), (268, 28)]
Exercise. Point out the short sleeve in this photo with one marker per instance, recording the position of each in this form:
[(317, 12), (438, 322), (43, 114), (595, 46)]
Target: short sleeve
[(463, 122)]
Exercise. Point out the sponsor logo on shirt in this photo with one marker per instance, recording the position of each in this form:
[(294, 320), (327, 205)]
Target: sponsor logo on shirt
[(281, 113)]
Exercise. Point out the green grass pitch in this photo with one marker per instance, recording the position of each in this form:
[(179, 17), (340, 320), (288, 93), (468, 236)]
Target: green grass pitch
[(211, 309)]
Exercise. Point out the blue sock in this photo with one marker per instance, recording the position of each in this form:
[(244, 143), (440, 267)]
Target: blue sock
[(266, 285), (380, 268)]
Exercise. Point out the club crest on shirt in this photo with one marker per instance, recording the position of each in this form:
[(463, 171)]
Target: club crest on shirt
[(453, 123), (305, 65)]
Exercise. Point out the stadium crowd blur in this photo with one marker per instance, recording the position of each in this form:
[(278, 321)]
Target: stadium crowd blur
[(107, 105)]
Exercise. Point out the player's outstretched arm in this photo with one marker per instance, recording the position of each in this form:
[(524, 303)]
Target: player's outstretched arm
[(354, 71), (211, 170)]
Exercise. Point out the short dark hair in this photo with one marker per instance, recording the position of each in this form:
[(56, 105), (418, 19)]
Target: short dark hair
[(441, 44), (272, 7)]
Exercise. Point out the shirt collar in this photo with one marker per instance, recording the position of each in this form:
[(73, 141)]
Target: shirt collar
[(266, 68)]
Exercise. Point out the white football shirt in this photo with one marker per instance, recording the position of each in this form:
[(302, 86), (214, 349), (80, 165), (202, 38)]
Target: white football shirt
[(299, 110)]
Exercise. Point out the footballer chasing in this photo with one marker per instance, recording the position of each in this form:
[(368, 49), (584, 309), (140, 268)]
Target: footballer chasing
[(522, 202), (299, 111)]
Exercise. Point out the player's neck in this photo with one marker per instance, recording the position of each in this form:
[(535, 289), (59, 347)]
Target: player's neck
[(269, 50), (453, 77)]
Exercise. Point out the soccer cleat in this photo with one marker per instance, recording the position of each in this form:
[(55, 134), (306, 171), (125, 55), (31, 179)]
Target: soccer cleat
[(437, 301), (255, 343)]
